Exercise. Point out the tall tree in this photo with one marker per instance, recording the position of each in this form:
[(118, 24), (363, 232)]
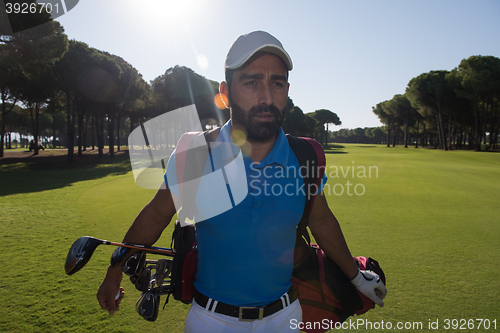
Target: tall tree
[(89, 79), (480, 80), (69, 71), (107, 74), (432, 90), (382, 110), (402, 109), (21, 50), (37, 50), (293, 121), (15, 121), (325, 117), (131, 87), (36, 92), (309, 125), (8, 85), (181, 86)]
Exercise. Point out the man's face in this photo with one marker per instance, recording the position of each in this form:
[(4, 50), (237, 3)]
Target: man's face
[(258, 96)]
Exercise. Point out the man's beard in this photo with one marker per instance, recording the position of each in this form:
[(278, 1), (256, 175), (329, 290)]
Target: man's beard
[(258, 131)]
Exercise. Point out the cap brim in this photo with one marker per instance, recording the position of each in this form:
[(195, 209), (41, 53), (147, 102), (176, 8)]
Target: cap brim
[(264, 48)]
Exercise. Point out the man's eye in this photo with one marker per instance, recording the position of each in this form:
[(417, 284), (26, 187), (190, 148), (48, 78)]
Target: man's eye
[(250, 83), (278, 84)]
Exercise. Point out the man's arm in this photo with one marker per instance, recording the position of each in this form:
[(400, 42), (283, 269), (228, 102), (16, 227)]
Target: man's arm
[(326, 230), (145, 230), (152, 219)]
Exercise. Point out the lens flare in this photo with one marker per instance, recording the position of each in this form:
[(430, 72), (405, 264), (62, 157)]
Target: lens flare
[(221, 101), (239, 137)]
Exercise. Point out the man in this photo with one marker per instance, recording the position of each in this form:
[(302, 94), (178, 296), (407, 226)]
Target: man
[(246, 254)]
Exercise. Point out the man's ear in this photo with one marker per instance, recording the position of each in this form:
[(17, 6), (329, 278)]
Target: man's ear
[(224, 91)]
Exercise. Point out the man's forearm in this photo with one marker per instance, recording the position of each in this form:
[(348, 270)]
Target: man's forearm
[(326, 230), (330, 238)]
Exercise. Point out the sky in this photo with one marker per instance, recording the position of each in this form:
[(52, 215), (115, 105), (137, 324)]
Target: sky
[(348, 56)]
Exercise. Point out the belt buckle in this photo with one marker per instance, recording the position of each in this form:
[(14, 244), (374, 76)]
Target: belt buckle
[(240, 313)]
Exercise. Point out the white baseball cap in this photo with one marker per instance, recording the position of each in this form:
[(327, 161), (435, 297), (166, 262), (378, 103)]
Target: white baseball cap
[(245, 46)]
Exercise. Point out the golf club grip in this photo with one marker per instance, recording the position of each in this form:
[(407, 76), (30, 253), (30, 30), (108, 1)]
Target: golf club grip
[(142, 247)]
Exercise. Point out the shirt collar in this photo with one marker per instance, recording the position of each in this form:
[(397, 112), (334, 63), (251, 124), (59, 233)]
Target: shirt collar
[(278, 155)]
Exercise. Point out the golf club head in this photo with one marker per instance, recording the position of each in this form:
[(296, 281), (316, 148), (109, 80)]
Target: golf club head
[(142, 282), (135, 264), (162, 270), (147, 305), (80, 253)]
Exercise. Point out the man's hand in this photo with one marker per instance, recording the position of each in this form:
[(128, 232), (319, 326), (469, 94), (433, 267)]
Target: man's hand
[(370, 285), (146, 229), (110, 294)]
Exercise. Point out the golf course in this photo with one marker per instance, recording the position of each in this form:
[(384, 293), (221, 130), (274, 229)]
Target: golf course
[(431, 218)]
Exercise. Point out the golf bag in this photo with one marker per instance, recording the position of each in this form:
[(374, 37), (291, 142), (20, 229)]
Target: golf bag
[(184, 262), (324, 291)]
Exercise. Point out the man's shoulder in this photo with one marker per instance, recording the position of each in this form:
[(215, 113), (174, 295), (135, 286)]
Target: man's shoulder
[(308, 147)]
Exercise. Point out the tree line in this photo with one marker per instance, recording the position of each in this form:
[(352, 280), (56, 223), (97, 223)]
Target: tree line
[(313, 124), (83, 97), (369, 135), (74, 93), (447, 109)]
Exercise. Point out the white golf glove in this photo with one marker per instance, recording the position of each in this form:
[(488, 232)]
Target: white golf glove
[(370, 285)]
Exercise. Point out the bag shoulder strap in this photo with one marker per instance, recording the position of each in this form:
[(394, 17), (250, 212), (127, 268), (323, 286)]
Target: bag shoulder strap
[(180, 157), (312, 161), (182, 151), (211, 135)]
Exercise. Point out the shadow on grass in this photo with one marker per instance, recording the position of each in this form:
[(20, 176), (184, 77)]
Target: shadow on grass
[(333, 148), (27, 175)]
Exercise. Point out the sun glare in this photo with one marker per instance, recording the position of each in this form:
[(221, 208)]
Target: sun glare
[(171, 22), (167, 14)]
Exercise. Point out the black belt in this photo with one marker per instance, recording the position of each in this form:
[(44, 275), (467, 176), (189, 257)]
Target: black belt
[(246, 313)]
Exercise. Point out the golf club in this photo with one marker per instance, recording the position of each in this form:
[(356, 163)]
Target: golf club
[(134, 264), (163, 268), (147, 305), (82, 249), (143, 281)]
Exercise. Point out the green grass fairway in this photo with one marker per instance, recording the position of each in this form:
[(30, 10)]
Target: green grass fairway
[(431, 219)]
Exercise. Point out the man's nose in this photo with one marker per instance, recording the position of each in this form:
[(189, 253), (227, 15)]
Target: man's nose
[(266, 95)]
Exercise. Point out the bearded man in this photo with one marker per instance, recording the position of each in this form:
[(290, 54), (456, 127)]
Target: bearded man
[(245, 255)]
